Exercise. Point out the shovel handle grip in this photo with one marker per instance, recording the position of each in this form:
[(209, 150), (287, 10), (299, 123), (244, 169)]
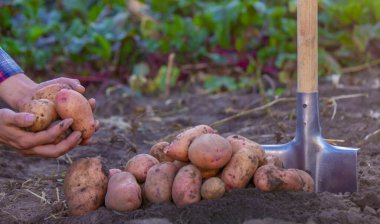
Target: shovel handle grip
[(307, 46)]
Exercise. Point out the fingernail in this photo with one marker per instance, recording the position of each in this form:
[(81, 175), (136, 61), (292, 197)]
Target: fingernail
[(69, 121), (30, 117)]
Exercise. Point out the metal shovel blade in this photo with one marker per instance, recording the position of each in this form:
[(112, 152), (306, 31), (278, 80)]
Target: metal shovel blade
[(333, 168)]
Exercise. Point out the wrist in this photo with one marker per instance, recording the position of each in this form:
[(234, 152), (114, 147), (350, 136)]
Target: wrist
[(17, 90)]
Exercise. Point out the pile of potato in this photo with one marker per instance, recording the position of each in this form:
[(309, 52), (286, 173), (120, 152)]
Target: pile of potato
[(198, 164), (59, 101)]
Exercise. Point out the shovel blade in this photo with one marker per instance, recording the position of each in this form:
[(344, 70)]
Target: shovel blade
[(333, 168)]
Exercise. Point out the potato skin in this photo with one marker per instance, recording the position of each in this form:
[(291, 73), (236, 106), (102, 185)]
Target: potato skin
[(85, 185), (274, 160), (213, 188), (159, 182), (209, 173), (240, 169), (123, 193), (113, 171), (45, 113), (50, 92), (71, 104), (157, 151), (210, 151), (187, 186), (178, 148), (139, 166), (272, 178), (238, 142)]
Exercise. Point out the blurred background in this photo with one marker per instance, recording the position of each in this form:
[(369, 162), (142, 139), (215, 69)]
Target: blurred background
[(219, 45)]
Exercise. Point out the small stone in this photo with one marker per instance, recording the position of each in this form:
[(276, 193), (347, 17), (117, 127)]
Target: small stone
[(378, 212), (354, 210), (368, 210)]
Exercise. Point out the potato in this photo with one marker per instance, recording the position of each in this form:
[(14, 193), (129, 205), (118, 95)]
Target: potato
[(187, 186), (209, 173), (157, 151), (178, 148), (139, 166), (274, 160), (85, 185), (213, 188), (113, 171), (123, 193), (159, 182), (64, 135), (50, 92), (44, 111), (272, 178), (71, 104), (210, 151), (237, 142), (240, 169), (179, 164)]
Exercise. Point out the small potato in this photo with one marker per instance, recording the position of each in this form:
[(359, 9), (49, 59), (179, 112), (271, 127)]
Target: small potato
[(71, 104), (240, 169), (238, 142), (274, 160), (113, 171), (157, 151), (64, 135), (44, 111), (209, 173), (272, 178), (139, 166), (210, 151), (50, 92), (85, 185), (123, 193), (159, 182), (187, 186), (178, 148), (213, 188)]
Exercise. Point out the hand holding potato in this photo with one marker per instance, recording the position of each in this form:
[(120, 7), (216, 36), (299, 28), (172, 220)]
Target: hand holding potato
[(12, 133)]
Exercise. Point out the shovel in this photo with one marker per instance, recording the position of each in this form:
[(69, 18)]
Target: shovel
[(333, 168)]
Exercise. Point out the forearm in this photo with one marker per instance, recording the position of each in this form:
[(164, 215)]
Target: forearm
[(16, 90)]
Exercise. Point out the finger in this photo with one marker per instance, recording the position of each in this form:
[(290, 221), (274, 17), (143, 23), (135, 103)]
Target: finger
[(92, 102), (54, 151), (86, 141), (48, 136), (73, 83), (21, 120)]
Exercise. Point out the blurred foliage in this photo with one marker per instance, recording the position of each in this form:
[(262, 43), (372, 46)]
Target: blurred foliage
[(108, 37)]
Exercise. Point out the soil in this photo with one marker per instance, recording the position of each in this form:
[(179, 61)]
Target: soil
[(31, 188)]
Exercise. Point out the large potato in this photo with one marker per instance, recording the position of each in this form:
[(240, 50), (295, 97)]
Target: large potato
[(157, 151), (50, 92), (44, 112), (178, 148), (123, 193), (187, 186), (240, 169), (273, 178), (238, 142), (210, 151), (213, 188), (159, 182), (71, 104), (85, 185), (139, 166)]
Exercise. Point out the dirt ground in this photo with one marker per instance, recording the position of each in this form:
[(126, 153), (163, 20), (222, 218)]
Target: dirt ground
[(31, 188)]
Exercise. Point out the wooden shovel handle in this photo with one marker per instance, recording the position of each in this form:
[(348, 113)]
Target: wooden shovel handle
[(307, 45)]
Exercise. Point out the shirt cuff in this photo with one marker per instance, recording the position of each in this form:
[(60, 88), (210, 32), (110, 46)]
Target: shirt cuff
[(8, 66)]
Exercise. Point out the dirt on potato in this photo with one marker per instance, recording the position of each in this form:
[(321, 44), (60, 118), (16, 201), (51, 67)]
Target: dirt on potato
[(31, 189)]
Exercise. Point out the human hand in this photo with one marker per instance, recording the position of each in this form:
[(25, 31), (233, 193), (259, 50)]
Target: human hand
[(39, 143)]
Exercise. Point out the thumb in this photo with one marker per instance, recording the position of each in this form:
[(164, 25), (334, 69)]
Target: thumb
[(22, 120)]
